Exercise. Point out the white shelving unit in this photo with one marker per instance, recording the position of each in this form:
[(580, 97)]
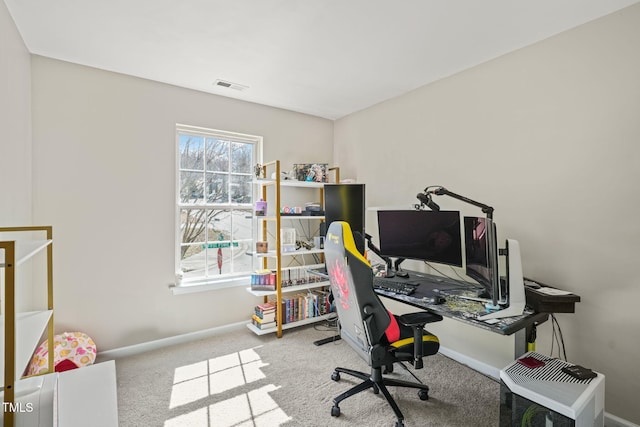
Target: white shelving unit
[(22, 331), (273, 222), (52, 398)]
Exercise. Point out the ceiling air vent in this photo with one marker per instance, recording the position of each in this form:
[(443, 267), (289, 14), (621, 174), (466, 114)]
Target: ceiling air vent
[(230, 85)]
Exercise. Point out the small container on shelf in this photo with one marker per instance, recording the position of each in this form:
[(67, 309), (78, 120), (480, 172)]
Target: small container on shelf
[(288, 239), (261, 208)]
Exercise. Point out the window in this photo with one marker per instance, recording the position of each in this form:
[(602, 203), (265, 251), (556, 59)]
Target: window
[(214, 203)]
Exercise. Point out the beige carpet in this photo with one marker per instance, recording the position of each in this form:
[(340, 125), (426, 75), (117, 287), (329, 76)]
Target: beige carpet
[(240, 379)]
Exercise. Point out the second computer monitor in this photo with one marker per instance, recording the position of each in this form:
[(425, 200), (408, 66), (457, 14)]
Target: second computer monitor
[(432, 236), (345, 202), (481, 253)]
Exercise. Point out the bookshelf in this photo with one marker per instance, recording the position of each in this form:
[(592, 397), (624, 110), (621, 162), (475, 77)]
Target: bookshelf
[(283, 261)]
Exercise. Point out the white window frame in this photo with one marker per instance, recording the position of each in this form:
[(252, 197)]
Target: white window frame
[(187, 285)]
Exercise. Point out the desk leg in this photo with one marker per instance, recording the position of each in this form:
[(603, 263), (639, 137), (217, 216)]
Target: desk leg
[(520, 345)]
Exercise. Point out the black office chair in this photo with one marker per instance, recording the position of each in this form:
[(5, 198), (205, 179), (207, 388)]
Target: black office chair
[(378, 336)]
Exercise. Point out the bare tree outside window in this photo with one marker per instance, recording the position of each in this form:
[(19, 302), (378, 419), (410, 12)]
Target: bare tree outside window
[(215, 204)]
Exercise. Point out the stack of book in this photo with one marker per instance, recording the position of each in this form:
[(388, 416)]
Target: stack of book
[(264, 315)]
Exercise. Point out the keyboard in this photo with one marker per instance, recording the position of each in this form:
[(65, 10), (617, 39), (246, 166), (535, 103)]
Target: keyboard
[(397, 287)]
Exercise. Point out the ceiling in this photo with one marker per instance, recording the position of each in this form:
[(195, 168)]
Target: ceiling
[(328, 58)]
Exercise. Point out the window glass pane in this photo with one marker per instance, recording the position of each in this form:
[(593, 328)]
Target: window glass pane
[(217, 155), (191, 187), (193, 262), (241, 189), (193, 234), (193, 226), (217, 188), (241, 157), (191, 152), (229, 240)]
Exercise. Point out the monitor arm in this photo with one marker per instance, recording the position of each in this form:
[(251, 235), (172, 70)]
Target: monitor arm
[(425, 199), (375, 250)]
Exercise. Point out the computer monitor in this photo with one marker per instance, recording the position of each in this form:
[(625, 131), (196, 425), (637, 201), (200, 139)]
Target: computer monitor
[(432, 236), (481, 254), (346, 202)]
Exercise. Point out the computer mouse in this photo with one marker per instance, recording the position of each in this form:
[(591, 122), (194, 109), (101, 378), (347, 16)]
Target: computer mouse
[(434, 300)]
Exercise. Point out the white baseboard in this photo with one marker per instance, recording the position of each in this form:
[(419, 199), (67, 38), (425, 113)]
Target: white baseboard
[(476, 365), (611, 420), (165, 342)]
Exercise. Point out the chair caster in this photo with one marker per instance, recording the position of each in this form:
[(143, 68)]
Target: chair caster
[(336, 377), (335, 411), (399, 423), (388, 369), (376, 389), (423, 395)]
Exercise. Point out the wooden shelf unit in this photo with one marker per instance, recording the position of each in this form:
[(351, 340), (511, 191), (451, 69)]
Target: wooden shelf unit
[(274, 204)]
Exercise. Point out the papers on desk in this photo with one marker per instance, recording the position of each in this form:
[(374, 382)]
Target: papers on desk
[(552, 291)]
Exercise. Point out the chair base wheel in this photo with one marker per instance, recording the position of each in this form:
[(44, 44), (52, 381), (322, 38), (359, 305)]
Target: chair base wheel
[(399, 423), (423, 395), (335, 411), (335, 376)]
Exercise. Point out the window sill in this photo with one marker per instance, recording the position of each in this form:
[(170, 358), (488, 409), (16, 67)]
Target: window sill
[(211, 285)]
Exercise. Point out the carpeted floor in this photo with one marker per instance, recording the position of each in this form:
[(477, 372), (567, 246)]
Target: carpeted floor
[(240, 379)]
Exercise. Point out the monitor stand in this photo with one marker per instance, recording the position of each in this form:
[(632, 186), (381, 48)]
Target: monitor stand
[(515, 284)]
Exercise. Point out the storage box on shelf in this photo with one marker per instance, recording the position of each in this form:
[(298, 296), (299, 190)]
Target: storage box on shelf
[(297, 296)]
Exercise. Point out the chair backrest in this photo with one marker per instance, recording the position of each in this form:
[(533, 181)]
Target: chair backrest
[(363, 317)]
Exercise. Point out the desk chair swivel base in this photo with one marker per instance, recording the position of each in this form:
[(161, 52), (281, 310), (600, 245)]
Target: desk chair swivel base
[(379, 383)]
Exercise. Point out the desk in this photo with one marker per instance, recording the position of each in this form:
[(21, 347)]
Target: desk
[(464, 310)]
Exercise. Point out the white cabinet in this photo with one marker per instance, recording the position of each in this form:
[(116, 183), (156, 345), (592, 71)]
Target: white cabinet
[(292, 281)]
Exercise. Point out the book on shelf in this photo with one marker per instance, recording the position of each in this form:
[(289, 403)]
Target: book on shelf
[(266, 311), (261, 324), (265, 316)]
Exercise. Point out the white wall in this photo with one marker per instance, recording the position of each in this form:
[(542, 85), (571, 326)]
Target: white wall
[(104, 158), (548, 135), (15, 124)]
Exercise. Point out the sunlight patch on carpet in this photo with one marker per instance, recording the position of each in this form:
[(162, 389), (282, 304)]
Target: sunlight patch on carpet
[(198, 381)]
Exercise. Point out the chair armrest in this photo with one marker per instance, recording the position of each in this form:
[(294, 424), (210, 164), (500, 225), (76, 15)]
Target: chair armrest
[(417, 321), (419, 318)]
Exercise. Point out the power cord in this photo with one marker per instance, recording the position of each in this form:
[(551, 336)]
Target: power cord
[(556, 337)]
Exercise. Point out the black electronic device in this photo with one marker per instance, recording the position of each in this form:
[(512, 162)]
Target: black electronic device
[(579, 372), (481, 254), (346, 202), (432, 236), (397, 287)]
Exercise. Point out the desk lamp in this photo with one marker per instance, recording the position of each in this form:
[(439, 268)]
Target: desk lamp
[(514, 265)]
